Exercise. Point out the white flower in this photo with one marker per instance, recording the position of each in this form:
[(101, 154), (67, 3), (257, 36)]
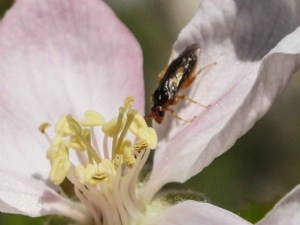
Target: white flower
[(65, 57)]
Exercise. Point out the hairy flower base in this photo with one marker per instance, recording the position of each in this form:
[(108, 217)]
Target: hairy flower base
[(105, 179)]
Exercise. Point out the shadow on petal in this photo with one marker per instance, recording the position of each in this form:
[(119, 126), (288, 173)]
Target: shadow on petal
[(259, 27)]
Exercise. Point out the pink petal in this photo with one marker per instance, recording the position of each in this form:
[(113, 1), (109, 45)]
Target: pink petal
[(60, 57), (237, 91), (196, 213), (286, 212), (34, 197)]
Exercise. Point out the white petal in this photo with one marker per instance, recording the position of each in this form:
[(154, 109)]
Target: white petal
[(34, 197), (7, 208), (196, 213), (59, 57), (70, 56), (286, 212), (237, 91)]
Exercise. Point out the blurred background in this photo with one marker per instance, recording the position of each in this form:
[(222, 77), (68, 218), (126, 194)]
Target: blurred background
[(261, 167)]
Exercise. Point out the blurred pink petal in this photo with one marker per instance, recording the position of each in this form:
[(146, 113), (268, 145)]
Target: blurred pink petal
[(238, 90), (195, 213), (286, 212), (59, 57)]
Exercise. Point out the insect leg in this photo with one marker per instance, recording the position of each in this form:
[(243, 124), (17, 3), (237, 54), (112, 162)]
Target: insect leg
[(177, 116), (189, 99), (206, 67), (192, 78), (148, 117), (188, 82)]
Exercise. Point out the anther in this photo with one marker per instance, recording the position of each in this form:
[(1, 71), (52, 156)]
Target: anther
[(43, 127)]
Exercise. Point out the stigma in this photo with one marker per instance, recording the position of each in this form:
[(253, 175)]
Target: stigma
[(103, 161)]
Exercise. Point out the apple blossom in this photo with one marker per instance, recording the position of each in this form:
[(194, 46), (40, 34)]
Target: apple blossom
[(60, 59)]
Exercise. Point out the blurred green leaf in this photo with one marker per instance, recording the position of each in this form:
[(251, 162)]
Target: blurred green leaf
[(5, 5), (14, 219), (254, 211)]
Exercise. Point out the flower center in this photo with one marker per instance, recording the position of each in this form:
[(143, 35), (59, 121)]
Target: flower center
[(105, 178)]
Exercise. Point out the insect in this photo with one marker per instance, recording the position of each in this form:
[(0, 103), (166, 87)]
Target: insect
[(180, 74)]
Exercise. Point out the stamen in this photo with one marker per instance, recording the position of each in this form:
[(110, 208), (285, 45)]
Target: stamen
[(76, 143), (122, 111), (128, 102), (140, 145), (84, 136), (127, 151), (130, 116), (58, 154), (92, 118), (145, 134), (62, 127), (43, 127), (110, 127), (73, 125), (118, 160), (105, 181), (92, 154)]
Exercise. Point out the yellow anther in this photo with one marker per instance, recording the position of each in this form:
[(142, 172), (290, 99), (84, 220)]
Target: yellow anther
[(140, 145), (128, 102), (74, 126), (130, 117), (132, 113), (117, 160), (110, 127), (93, 174), (118, 129), (127, 151), (86, 134), (149, 135), (99, 170), (76, 143), (152, 138), (107, 167), (92, 118), (81, 135), (130, 161), (58, 140), (84, 174), (58, 154), (62, 127), (97, 177), (126, 147), (59, 169), (57, 149), (146, 135), (138, 122), (43, 127)]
